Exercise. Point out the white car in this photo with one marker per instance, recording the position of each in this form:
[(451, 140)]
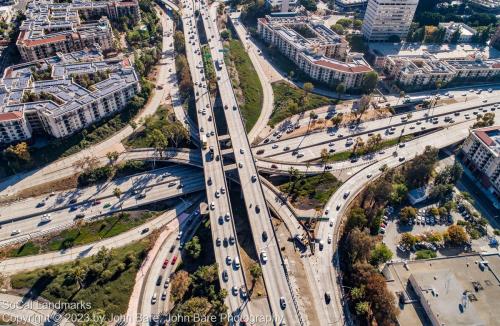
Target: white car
[(15, 232), (329, 238), (46, 218), (227, 217), (369, 175), (275, 146), (212, 205), (242, 151), (217, 194), (263, 257)]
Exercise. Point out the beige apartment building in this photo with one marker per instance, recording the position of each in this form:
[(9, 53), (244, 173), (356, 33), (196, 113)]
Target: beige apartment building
[(60, 106), (481, 154), (52, 27), (314, 48)]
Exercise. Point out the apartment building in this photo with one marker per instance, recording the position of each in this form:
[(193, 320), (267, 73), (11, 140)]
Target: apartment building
[(282, 5), (481, 154), (314, 48), (422, 70), (358, 6), (386, 18), (466, 32), (52, 27), (56, 104)]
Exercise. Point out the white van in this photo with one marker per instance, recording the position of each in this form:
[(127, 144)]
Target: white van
[(236, 262), (153, 299)]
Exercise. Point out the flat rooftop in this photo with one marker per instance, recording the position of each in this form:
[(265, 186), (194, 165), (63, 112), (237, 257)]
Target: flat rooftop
[(459, 290), (441, 51)]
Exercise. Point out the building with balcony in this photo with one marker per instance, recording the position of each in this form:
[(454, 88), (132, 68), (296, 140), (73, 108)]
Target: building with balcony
[(386, 18), (419, 71), (481, 155), (358, 6), (51, 27), (314, 48), (466, 33), (48, 97)]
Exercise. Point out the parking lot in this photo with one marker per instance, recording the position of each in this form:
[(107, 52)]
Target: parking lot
[(424, 224)]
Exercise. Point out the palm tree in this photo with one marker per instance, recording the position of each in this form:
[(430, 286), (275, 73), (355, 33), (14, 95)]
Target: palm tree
[(117, 192), (401, 95), (78, 274), (340, 89)]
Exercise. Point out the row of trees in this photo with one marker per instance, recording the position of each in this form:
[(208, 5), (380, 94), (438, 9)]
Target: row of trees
[(361, 251)]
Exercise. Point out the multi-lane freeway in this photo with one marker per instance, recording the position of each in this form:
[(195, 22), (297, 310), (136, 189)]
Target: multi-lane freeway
[(225, 245), (281, 297)]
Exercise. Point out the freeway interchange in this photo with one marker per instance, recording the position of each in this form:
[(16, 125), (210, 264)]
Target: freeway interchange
[(439, 126)]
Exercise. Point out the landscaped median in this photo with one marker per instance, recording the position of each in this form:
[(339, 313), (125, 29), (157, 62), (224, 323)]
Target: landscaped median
[(245, 81), (82, 234)]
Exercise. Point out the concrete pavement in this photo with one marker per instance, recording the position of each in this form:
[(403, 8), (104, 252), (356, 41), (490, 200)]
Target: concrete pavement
[(15, 265)]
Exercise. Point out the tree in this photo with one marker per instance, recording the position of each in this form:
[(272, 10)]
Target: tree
[(159, 141), (357, 23), (192, 309), (380, 254), (408, 240), (358, 245), (180, 283), (340, 89), (19, 151), (369, 82), (363, 105), (373, 142), (406, 214), (193, 247), (456, 235), (255, 271), (112, 156), (362, 308), (117, 192), (356, 218), (344, 22), (402, 94), (77, 274), (308, 88), (339, 29), (398, 193)]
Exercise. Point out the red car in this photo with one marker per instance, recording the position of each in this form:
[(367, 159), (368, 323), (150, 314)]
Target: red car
[(96, 202), (165, 263), (174, 260)]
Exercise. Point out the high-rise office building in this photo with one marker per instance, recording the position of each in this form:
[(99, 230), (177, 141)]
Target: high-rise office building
[(386, 18)]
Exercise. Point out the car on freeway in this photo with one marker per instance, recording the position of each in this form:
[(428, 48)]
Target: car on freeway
[(79, 216), (46, 218), (153, 298), (167, 282), (40, 204), (158, 280), (224, 276), (236, 263), (232, 240), (229, 260), (15, 232), (218, 242), (264, 236), (227, 217), (165, 264), (212, 205), (164, 296), (235, 290), (263, 257), (96, 202), (174, 259), (327, 298), (282, 303), (72, 201)]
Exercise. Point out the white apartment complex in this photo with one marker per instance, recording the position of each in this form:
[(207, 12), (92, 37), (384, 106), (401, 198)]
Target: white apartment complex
[(51, 27), (466, 32), (282, 5), (314, 48), (421, 70), (386, 18), (58, 105), (481, 154)]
